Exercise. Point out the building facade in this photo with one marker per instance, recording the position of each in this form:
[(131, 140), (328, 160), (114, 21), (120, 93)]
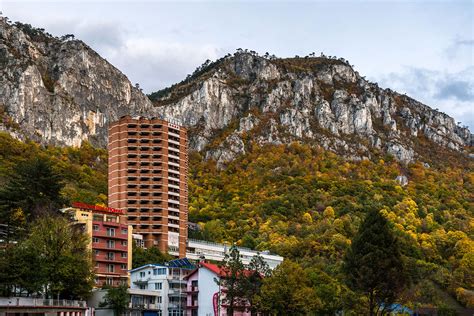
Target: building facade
[(198, 250), (148, 166), (204, 296), (110, 241), (159, 290)]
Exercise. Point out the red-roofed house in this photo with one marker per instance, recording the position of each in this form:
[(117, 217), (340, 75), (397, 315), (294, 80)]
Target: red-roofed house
[(204, 297)]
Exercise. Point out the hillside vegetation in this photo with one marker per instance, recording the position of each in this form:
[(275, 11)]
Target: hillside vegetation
[(306, 204)]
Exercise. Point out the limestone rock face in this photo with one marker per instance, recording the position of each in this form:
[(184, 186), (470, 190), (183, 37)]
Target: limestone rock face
[(320, 100), (60, 91)]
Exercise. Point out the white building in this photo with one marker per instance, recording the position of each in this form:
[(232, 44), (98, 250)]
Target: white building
[(159, 290), (199, 250), (205, 297)]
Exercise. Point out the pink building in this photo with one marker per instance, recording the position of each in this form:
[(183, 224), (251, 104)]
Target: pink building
[(204, 297)]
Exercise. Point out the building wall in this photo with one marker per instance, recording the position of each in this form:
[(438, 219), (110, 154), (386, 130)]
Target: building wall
[(148, 165), (95, 224), (207, 288)]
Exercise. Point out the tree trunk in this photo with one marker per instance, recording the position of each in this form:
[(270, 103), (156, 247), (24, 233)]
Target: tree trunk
[(371, 303)]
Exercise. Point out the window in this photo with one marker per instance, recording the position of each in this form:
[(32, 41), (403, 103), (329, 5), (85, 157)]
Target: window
[(159, 271), (96, 252), (159, 299), (110, 243), (124, 255), (97, 217), (124, 231), (111, 232), (110, 218), (158, 286), (142, 274), (95, 239), (95, 227), (109, 281), (124, 242), (110, 256), (110, 268), (142, 286), (123, 266)]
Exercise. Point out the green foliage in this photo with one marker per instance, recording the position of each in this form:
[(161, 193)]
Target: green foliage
[(116, 298), (374, 264), (38, 179), (53, 260), (232, 279), (287, 292), (146, 256)]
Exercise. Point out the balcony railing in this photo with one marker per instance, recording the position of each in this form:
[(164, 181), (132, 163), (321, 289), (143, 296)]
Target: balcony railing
[(39, 302)]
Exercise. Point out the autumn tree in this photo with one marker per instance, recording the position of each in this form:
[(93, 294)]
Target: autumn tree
[(287, 291), (374, 265), (256, 271)]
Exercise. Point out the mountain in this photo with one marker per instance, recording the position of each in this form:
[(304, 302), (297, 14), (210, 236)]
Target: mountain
[(58, 90), (317, 100)]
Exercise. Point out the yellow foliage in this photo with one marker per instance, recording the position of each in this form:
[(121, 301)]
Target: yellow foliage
[(328, 212), (307, 218)]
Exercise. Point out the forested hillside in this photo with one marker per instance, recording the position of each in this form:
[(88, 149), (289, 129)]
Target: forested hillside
[(306, 204)]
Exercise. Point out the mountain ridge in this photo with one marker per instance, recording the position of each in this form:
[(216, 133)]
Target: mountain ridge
[(59, 91)]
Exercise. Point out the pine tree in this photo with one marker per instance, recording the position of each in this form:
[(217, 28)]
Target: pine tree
[(232, 280), (374, 264)]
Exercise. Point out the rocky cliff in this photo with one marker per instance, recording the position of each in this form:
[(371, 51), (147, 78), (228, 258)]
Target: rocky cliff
[(245, 97), (58, 90)]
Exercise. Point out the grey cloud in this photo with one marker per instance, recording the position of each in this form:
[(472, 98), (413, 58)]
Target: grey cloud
[(461, 90)]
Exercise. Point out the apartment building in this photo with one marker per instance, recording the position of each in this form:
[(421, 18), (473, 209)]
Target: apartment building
[(160, 290), (148, 166), (110, 241)]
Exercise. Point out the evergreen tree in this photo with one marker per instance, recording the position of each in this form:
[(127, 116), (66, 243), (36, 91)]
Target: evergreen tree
[(33, 189), (257, 270), (232, 280), (374, 264)]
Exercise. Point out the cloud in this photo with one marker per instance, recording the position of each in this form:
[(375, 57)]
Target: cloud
[(451, 93), (156, 64)]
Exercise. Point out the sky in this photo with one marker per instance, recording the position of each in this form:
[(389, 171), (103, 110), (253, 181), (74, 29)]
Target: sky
[(422, 48)]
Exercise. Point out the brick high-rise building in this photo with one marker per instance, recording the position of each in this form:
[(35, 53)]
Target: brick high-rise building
[(148, 166)]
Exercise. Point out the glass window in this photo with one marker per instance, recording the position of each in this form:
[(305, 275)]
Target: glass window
[(158, 286), (95, 227), (110, 268), (95, 240), (124, 242), (124, 255), (124, 231), (110, 244), (111, 232)]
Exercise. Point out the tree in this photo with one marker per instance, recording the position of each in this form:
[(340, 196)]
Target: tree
[(53, 260), (116, 298), (150, 255), (34, 187), (374, 265), (232, 280), (287, 292), (253, 277)]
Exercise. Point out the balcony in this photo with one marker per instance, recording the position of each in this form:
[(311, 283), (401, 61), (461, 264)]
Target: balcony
[(16, 302), (192, 289), (146, 306)]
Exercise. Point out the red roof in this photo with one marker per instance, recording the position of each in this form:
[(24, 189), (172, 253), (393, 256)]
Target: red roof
[(214, 268)]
